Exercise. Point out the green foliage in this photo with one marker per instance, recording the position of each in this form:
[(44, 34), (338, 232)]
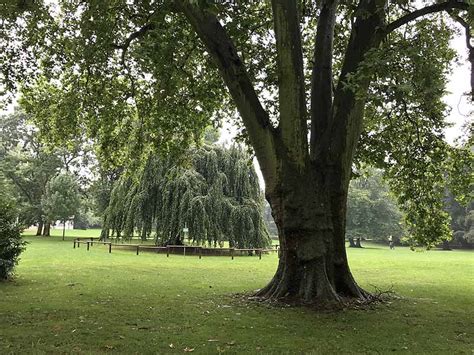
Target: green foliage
[(157, 89), (214, 193), (372, 212), (61, 200), (11, 243), (26, 164), (269, 221), (404, 128), (85, 219), (462, 219)]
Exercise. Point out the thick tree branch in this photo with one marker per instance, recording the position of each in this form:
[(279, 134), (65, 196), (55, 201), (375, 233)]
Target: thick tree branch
[(128, 41), (469, 46), (290, 79), (234, 73), (444, 6), (338, 145), (124, 48), (19, 184), (322, 76), (466, 26), (134, 35)]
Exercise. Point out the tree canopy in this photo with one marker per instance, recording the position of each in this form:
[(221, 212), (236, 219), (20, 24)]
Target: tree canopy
[(372, 212), (28, 165), (142, 71), (61, 200), (214, 192)]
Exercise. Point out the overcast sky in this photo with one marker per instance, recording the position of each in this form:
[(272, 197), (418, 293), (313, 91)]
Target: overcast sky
[(461, 109)]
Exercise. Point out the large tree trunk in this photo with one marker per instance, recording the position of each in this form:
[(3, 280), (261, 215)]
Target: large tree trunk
[(46, 230), (313, 264), (306, 188), (39, 231), (104, 234)]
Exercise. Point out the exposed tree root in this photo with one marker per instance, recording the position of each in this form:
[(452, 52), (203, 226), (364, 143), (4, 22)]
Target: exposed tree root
[(368, 300)]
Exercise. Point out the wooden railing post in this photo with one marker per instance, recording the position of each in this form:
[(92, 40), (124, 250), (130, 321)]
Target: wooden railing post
[(138, 248), (88, 246), (110, 248)]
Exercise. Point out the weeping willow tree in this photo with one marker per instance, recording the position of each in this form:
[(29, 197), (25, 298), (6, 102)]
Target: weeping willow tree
[(214, 192)]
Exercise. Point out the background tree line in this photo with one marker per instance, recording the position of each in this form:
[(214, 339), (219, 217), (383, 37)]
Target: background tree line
[(46, 184)]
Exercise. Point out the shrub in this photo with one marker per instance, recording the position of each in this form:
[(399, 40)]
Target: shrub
[(11, 243), (458, 236), (469, 236)]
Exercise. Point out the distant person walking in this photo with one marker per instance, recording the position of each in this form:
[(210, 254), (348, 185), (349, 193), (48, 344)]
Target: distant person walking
[(390, 242)]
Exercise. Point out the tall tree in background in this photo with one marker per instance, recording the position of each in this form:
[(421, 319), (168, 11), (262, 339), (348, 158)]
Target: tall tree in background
[(27, 165), (214, 192), (152, 72), (61, 200), (371, 210)]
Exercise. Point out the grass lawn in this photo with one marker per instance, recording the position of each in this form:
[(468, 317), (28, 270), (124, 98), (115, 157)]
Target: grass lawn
[(67, 300), (70, 233)]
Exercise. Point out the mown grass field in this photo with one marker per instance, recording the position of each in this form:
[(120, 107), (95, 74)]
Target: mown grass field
[(58, 232), (67, 300)]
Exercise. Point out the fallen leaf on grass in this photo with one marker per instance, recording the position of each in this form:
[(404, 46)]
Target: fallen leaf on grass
[(188, 350), (231, 343), (212, 340), (171, 346)]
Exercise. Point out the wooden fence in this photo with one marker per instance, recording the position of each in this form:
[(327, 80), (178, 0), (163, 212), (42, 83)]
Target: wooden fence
[(175, 249)]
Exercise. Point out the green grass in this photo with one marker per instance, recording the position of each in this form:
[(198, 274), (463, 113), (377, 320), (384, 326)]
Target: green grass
[(70, 233), (67, 300)]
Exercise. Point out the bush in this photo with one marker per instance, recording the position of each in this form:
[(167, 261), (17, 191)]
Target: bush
[(458, 236), (11, 243), (469, 236)]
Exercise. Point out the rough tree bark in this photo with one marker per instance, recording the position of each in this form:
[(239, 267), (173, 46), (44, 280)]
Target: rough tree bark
[(46, 229), (306, 186), (39, 230)]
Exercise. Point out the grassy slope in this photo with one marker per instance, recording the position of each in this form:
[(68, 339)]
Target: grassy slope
[(70, 300)]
